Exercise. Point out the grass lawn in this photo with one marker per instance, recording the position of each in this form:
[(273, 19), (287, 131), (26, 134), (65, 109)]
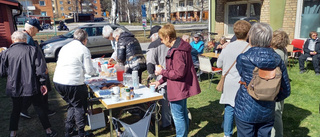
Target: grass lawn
[(301, 113)]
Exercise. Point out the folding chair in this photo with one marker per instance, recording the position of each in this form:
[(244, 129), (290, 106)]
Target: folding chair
[(138, 129), (291, 57), (205, 66)]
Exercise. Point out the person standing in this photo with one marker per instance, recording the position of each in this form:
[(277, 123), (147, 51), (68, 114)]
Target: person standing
[(180, 76), (156, 55), (231, 85), (73, 63), (107, 32), (311, 48), (279, 42), (129, 52), (31, 29), (254, 117), (25, 70)]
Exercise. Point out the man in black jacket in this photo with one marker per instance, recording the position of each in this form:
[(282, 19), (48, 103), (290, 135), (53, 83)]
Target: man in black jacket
[(26, 74), (311, 48)]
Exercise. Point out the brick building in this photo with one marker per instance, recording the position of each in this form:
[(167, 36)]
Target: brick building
[(68, 7), (296, 17)]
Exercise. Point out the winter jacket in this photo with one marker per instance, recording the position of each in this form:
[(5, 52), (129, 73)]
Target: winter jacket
[(25, 69), (130, 53), (248, 109), (306, 50), (180, 74)]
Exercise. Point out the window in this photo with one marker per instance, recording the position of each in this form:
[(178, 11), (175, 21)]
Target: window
[(69, 8), (90, 31), (62, 14), (190, 3), (177, 5), (43, 13), (42, 3), (181, 4), (99, 30), (61, 2), (235, 12), (95, 7), (69, 2), (95, 1), (156, 8), (61, 8), (96, 13), (310, 18)]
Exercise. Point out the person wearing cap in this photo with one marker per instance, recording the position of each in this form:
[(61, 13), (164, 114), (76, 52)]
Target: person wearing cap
[(107, 33), (197, 48), (25, 70), (156, 55), (31, 28)]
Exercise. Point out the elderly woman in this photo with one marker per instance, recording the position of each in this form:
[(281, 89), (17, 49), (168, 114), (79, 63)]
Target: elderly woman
[(180, 76), (254, 117), (226, 59), (279, 43)]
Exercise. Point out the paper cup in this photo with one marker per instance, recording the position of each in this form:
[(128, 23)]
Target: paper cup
[(152, 88), (116, 90)]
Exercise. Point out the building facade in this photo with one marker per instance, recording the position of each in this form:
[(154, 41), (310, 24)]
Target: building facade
[(296, 17), (181, 10), (67, 8)]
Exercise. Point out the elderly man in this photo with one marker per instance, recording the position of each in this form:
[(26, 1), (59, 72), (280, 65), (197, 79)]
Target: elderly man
[(107, 33), (26, 72), (311, 48), (156, 55), (73, 63), (197, 48), (31, 29), (129, 52)]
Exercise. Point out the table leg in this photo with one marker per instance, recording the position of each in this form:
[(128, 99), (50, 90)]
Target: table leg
[(110, 120), (157, 120)]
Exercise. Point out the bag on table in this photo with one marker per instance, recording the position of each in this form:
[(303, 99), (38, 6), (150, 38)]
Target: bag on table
[(265, 84)]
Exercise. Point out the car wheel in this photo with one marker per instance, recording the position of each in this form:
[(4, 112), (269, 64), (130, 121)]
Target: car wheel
[(57, 53)]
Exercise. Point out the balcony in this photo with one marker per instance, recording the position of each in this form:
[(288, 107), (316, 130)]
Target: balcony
[(180, 9)]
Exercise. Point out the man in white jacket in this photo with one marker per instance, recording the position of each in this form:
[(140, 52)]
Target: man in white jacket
[(74, 61)]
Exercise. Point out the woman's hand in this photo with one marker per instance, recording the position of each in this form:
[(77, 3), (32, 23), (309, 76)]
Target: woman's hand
[(156, 83), (158, 70), (43, 89)]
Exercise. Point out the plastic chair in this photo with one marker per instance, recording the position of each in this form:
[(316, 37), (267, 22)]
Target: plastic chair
[(138, 129), (298, 46), (205, 66)]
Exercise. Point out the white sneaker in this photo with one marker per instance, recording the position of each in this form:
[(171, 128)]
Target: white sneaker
[(25, 115)]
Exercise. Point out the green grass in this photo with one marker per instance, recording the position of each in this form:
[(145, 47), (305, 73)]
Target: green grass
[(301, 113)]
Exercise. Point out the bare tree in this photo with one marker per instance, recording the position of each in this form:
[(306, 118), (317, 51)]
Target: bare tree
[(201, 5), (114, 11), (128, 12)]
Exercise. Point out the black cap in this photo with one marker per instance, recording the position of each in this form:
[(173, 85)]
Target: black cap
[(196, 35), (35, 23), (251, 20), (154, 29)]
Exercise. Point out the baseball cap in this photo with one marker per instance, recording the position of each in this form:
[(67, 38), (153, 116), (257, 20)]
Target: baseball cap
[(35, 23), (154, 29), (196, 35)]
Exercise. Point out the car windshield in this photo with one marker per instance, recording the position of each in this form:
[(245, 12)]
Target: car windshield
[(69, 34)]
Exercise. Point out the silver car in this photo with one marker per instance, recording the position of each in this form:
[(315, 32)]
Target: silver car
[(96, 43)]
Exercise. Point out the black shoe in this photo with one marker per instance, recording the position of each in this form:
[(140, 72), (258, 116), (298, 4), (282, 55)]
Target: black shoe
[(51, 113), (302, 71), (25, 115), (52, 134)]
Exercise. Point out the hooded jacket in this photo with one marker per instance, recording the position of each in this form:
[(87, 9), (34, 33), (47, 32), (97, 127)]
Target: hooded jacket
[(25, 69), (180, 74), (130, 53), (248, 109)]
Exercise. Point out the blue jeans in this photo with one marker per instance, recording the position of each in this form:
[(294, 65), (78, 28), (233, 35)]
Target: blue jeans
[(180, 117), (228, 120)]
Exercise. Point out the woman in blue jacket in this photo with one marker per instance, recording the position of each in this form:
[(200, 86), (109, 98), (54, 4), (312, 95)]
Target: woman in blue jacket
[(255, 118)]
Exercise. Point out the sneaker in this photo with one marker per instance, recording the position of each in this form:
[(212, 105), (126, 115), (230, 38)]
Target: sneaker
[(51, 113), (302, 71), (52, 134), (25, 115)]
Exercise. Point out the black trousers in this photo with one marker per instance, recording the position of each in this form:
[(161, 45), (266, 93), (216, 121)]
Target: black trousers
[(76, 97), (27, 101), (39, 107), (315, 61)]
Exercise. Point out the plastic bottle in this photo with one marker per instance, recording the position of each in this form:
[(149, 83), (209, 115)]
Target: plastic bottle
[(120, 70)]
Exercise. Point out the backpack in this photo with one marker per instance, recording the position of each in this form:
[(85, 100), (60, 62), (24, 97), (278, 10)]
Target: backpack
[(265, 84)]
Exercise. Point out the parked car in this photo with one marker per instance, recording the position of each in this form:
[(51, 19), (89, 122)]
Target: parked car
[(96, 43)]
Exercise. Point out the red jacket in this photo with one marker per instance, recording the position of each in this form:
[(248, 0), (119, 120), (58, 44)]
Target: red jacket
[(180, 74)]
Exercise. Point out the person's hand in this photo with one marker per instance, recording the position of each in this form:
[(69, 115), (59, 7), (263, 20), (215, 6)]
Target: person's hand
[(158, 72), (110, 61), (44, 89), (156, 83), (313, 53)]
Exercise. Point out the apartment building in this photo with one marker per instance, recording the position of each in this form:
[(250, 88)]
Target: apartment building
[(36, 7), (67, 8), (181, 10)]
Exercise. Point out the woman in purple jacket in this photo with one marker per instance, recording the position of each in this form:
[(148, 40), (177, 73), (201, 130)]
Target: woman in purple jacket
[(180, 76)]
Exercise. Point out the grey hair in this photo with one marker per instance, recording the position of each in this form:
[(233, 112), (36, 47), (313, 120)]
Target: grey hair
[(80, 35), (19, 36), (27, 26), (260, 35), (223, 38), (117, 32), (185, 37), (106, 31)]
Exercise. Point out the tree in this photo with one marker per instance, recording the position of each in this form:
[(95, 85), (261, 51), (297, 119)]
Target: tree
[(114, 12), (105, 5)]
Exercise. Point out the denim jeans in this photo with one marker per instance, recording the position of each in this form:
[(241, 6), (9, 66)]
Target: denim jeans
[(228, 120), (245, 129), (180, 117)]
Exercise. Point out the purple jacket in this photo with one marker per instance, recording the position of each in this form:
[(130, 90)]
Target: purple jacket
[(180, 74)]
